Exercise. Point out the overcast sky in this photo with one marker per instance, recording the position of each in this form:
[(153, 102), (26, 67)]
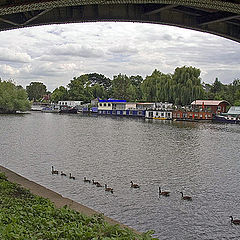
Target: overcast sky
[(55, 54)]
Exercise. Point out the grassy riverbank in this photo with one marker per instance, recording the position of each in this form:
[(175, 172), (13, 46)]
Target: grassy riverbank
[(27, 216)]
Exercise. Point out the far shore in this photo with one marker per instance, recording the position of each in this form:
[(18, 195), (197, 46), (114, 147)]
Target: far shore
[(54, 197)]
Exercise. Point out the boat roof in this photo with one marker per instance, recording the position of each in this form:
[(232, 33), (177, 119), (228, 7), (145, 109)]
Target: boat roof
[(234, 110), (112, 100), (209, 102)]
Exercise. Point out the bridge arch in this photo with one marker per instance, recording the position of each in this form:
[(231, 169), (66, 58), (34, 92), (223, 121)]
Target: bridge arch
[(219, 17)]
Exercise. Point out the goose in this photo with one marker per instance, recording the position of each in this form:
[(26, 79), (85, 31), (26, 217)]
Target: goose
[(71, 177), (54, 171), (134, 185), (95, 183), (235, 221), (108, 189), (164, 193), (186, 197), (98, 184), (63, 174), (86, 180)]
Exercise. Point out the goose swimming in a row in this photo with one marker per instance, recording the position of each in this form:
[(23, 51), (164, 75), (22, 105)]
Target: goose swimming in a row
[(63, 174), (188, 198), (86, 180), (108, 189), (54, 171), (71, 177), (163, 193), (96, 183), (134, 185), (234, 221)]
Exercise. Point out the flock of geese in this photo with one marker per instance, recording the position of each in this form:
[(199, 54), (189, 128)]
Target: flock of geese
[(134, 185), (107, 189)]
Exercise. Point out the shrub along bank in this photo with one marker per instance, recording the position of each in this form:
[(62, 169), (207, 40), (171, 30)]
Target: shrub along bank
[(27, 216)]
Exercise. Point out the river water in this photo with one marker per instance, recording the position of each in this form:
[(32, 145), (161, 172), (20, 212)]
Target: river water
[(200, 159)]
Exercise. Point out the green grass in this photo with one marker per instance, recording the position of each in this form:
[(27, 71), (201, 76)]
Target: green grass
[(27, 216)]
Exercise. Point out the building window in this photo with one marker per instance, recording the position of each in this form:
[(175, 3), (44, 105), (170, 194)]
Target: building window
[(109, 104), (100, 104), (162, 114), (156, 113), (104, 104)]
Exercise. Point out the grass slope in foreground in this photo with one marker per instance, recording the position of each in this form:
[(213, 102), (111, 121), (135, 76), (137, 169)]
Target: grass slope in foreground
[(27, 216)]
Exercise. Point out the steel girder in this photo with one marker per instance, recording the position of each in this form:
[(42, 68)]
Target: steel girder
[(219, 17)]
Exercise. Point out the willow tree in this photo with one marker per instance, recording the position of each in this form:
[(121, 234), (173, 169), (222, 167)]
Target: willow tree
[(188, 85)]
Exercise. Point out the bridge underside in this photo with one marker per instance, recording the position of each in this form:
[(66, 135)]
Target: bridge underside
[(220, 17)]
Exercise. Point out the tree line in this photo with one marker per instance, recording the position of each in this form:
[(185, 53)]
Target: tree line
[(180, 88)]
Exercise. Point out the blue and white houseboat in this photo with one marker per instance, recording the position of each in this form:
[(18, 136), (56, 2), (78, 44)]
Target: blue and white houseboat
[(116, 107)]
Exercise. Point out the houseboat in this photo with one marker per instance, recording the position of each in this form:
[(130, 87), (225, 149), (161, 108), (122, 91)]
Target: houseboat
[(161, 111), (200, 110), (232, 116), (116, 107), (51, 109)]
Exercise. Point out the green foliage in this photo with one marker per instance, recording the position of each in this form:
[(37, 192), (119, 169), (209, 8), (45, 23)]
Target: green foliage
[(120, 84), (219, 91), (60, 94), (36, 91), (12, 98), (79, 89), (26, 216), (180, 88)]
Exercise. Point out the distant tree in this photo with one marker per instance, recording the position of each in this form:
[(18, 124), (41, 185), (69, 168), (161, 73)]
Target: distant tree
[(12, 98), (79, 89), (120, 85), (136, 82), (98, 91), (36, 91), (99, 79), (59, 94), (188, 85)]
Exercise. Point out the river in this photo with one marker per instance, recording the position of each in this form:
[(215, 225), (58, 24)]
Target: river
[(200, 159)]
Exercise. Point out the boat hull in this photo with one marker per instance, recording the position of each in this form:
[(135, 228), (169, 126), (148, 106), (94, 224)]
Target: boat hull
[(226, 119)]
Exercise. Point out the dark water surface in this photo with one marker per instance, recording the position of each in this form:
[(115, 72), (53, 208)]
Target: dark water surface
[(200, 159)]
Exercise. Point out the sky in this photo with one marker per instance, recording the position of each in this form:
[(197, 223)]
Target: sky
[(55, 54)]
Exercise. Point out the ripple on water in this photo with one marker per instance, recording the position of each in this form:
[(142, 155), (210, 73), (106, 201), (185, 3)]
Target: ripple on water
[(202, 160)]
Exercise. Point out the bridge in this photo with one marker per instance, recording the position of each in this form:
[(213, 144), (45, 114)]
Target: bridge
[(219, 17)]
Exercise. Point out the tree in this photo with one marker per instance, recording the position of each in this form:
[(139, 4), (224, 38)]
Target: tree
[(187, 85), (99, 79), (12, 98), (120, 85), (36, 91), (79, 89), (136, 82), (59, 94)]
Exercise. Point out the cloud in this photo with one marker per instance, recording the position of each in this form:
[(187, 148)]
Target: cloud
[(8, 70), (54, 54), (9, 55), (76, 51)]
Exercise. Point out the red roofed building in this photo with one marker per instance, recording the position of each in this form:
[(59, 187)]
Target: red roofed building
[(214, 106)]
